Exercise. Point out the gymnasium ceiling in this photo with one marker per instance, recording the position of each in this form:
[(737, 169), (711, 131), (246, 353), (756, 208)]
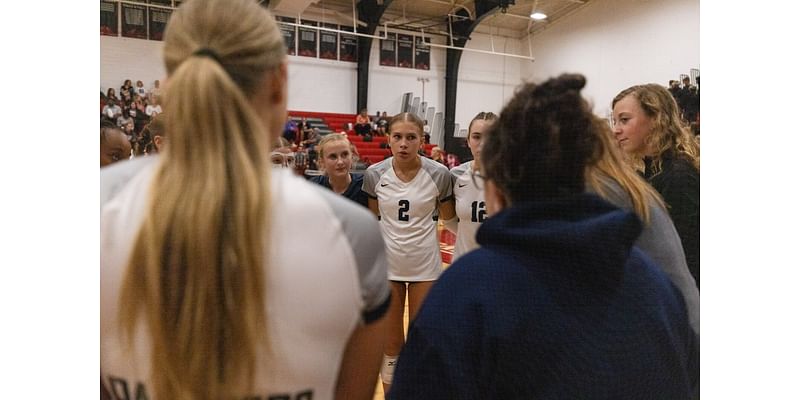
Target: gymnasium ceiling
[(432, 15)]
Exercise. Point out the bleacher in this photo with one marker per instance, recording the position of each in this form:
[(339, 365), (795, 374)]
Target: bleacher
[(370, 152)]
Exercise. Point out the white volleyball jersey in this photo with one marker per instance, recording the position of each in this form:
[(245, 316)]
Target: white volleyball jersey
[(407, 210), (316, 292), (470, 208)]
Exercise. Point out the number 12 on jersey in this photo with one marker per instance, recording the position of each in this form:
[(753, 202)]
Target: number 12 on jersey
[(478, 211)]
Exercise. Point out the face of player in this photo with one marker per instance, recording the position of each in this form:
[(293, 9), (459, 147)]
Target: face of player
[(337, 159), (404, 140), (479, 127), (115, 148), (631, 125)]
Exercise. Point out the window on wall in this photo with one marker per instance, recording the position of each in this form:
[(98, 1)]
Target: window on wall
[(133, 21), (157, 19), (108, 18)]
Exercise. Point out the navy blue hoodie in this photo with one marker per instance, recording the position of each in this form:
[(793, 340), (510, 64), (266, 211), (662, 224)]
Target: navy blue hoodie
[(556, 304)]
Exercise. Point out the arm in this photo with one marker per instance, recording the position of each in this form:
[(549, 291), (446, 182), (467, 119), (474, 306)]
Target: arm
[(373, 206), (361, 362), (447, 210)]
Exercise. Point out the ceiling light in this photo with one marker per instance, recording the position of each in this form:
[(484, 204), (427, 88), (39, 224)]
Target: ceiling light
[(538, 16)]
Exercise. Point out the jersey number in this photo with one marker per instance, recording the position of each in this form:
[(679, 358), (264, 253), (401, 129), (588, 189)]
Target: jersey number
[(478, 211), (402, 213)]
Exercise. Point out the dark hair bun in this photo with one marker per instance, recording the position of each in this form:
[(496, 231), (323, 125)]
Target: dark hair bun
[(564, 83)]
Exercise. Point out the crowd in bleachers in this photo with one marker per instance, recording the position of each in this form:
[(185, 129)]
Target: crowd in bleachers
[(688, 98), (131, 109)]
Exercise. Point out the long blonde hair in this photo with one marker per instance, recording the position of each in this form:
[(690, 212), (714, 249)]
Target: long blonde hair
[(669, 133), (196, 272), (611, 164)]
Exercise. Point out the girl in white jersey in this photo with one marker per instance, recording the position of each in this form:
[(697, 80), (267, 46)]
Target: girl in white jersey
[(205, 293), (404, 191), (468, 189)]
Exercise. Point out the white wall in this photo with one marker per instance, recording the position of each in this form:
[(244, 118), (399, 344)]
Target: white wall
[(486, 82), (615, 43), (126, 58), (620, 43)]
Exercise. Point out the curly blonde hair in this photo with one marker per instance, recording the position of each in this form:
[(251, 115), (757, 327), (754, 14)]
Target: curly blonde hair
[(669, 133)]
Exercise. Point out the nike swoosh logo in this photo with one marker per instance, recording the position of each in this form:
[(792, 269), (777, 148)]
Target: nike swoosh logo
[(462, 185), (384, 184)]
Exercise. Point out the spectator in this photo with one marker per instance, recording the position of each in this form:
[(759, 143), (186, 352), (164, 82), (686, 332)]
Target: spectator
[(112, 95), (154, 108), (649, 129), (112, 111), (290, 131), (437, 154), (140, 90), (156, 90), (114, 146), (363, 124), (382, 122), (126, 91), (557, 303), (124, 118)]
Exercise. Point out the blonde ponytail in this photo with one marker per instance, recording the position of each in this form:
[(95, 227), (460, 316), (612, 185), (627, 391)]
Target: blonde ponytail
[(196, 272)]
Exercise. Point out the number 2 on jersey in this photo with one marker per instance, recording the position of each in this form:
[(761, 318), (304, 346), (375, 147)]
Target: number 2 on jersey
[(478, 211), (402, 213)]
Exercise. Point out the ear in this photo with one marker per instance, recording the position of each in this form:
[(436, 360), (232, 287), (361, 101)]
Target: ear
[(158, 141), (278, 82), (496, 200)]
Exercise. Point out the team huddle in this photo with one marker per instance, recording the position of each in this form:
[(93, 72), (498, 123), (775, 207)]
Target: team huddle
[(569, 277)]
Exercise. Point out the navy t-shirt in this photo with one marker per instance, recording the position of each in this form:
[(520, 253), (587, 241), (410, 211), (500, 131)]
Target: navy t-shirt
[(353, 191)]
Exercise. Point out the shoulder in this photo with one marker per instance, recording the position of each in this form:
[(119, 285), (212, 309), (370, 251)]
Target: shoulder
[(114, 178), (319, 180), (434, 168), (379, 168), (461, 169)]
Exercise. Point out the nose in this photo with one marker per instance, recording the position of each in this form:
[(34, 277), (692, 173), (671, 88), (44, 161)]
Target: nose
[(617, 129)]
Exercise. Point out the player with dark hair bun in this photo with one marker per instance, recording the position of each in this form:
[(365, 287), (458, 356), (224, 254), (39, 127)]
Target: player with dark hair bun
[(557, 303)]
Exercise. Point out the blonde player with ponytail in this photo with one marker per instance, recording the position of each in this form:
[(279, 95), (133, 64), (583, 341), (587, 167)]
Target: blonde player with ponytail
[(204, 292)]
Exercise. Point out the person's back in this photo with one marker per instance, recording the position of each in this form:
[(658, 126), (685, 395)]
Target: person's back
[(582, 314), (557, 303), (206, 293), (306, 325)]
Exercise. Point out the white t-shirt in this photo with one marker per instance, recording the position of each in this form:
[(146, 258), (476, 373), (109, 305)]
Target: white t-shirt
[(470, 208), (407, 217), (316, 292), (152, 110)]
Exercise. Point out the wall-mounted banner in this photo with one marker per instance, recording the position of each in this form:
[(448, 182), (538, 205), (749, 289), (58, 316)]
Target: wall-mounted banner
[(108, 18), (133, 21), (158, 18), (422, 53), (289, 33), (388, 51), (307, 46), (405, 51), (348, 45), (328, 42)]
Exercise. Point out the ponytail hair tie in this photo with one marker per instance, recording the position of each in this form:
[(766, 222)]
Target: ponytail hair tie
[(205, 51)]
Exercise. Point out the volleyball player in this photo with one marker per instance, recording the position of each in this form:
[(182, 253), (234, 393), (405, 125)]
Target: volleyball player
[(205, 291), (648, 127), (468, 189), (404, 191), (557, 303), (337, 161)]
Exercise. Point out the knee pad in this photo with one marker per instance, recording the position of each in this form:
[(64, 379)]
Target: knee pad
[(387, 369)]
